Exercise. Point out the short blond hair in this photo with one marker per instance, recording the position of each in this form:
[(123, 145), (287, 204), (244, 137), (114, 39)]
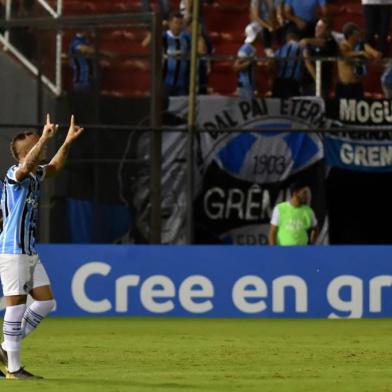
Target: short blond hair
[(14, 142)]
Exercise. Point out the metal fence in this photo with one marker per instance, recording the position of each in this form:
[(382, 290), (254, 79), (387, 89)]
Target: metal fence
[(114, 176), (26, 99)]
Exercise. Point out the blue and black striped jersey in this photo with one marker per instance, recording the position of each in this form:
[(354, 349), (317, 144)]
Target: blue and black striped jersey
[(290, 68), (176, 67), (19, 205), (82, 65)]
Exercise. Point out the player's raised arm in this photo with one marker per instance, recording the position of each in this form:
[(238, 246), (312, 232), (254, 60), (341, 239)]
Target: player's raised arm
[(30, 158), (58, 161)]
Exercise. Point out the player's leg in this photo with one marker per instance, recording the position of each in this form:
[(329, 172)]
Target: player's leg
[(15, 276), (41, 306), (43, 302), (12, 331)]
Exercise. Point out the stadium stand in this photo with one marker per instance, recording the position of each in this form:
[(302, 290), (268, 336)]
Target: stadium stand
[(225, 20)]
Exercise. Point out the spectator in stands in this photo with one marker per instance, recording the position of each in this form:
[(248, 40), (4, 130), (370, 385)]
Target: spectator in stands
[(264, 14), (351, 72), (377, 15), (187, 5), (81, 53), (84, 99), (177, 49), (289, 65), (322, 45), (246, 63), (186, 8), (303, 14), (386, 81), (177, 42), (291, 220), (205, 49), (204, 66)]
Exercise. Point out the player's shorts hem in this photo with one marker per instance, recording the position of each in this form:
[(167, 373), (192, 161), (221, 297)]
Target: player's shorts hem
[(20, 274), (14, 293)]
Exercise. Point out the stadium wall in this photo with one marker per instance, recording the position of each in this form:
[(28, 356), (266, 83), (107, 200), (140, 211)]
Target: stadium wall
[(220, 281)]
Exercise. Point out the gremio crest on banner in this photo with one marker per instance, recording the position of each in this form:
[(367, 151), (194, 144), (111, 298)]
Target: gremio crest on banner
[(241, 176)]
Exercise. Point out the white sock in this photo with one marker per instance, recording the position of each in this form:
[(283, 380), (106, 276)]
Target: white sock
[(34, 314), (12, 332)]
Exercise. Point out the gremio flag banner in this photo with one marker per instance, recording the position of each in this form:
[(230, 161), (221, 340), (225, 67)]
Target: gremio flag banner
[(240, 177), (370, 148)]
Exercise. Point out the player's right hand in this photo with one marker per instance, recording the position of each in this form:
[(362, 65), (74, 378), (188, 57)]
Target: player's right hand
[(49, 128)]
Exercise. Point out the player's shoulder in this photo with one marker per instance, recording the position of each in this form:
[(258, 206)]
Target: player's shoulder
[(307, 208), (11, 170), (77, 41), (10, 177), (282, 205)]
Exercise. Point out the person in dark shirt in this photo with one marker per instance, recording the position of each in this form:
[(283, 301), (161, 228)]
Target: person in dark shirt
[(204, 48), (289, 66), (81, 53), (322, 45), (386, 80)]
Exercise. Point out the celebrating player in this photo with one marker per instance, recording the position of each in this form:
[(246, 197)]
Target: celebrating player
[(21, 271)]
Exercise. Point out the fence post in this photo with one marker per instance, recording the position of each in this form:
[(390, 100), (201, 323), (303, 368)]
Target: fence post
[(156, 136), (192, 120), (318, 79)]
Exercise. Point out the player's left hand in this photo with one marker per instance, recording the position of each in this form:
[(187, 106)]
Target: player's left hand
[(74, 131)]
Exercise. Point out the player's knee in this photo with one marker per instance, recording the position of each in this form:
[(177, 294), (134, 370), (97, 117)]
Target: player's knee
[(51, 304), (15, 300), (46, 306)]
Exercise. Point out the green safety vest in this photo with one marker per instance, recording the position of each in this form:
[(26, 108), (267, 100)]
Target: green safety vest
[(294, 222)]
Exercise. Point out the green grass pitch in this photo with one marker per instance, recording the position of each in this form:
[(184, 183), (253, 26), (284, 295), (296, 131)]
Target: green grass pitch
[(163, 354)]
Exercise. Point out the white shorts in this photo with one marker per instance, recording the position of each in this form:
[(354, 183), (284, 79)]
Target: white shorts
[(20, 274)]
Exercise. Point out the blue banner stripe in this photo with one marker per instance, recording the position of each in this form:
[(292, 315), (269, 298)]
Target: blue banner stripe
[(220, 281)]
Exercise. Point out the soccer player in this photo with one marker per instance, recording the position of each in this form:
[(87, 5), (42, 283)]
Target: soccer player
[(21, 270)]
